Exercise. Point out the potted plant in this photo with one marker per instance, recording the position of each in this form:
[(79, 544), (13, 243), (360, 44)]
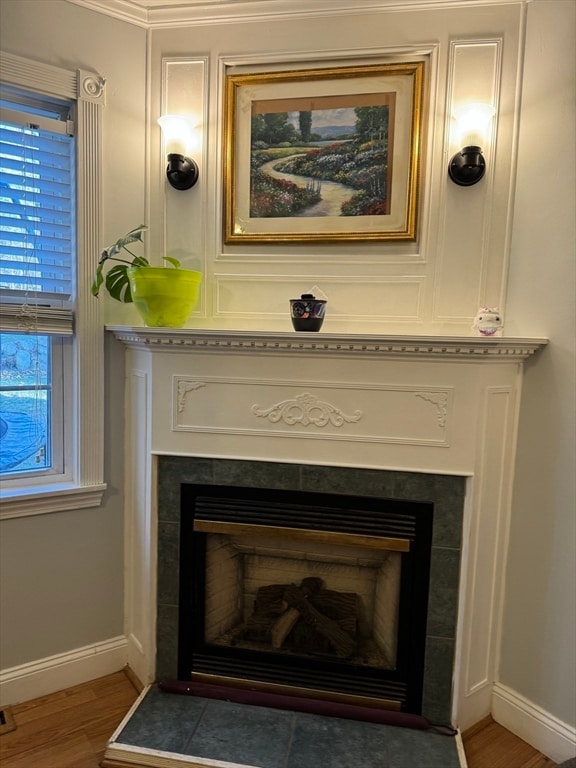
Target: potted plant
[(164, 296)]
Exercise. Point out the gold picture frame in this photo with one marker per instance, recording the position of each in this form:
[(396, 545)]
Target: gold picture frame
[(322, 155)]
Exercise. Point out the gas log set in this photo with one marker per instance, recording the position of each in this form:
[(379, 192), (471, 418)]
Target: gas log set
[(308, 618)]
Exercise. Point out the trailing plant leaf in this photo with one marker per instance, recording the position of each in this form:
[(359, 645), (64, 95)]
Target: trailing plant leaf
[(137, 261), (116, 279), (97, 282), (118, 285), (134, 236)]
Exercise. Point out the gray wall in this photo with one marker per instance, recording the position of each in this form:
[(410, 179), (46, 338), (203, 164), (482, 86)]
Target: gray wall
[(538, 658), (61, 583)]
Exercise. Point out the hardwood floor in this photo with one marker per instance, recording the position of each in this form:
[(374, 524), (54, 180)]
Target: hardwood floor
[(488, 745), (70, 729)]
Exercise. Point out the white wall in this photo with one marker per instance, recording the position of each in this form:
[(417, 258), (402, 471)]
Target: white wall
[(432, 286), (539, 632), (62, 573)]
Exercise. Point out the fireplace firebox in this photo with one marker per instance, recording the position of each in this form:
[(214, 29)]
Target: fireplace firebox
[(319, 595)]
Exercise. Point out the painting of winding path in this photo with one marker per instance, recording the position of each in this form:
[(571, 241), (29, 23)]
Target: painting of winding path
[(320, 162), (322, 155)]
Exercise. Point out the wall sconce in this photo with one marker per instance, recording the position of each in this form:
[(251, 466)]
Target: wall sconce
[(182, 172), (468, 166)]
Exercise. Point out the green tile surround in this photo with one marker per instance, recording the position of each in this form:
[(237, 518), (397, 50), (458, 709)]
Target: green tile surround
[(446, 492)]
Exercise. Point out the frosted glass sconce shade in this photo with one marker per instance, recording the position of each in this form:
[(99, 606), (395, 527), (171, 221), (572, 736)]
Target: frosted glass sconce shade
[(468, 166), (182, 172)]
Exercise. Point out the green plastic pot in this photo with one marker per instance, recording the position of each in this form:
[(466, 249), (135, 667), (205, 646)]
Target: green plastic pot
[(163, 296)]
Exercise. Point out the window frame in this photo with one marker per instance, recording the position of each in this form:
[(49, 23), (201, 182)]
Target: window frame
[(87, 486), (53, 117)]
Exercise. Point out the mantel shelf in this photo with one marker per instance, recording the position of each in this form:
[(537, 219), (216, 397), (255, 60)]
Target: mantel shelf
[(329, 344)]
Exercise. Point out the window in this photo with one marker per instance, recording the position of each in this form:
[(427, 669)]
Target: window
[(37, 254), (50, 336)]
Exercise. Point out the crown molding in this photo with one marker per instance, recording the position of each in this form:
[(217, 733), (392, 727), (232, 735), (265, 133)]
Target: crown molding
[(172, 13)]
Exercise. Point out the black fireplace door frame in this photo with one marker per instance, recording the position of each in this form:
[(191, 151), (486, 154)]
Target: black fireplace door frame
[(360, 515)]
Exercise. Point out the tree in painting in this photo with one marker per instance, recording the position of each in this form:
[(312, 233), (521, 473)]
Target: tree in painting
[(372, 124), (272, 129), (305, 123)]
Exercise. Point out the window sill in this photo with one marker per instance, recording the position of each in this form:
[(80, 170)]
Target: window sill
[(36, 501)]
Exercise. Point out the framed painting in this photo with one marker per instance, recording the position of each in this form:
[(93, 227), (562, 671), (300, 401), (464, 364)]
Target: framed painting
[(323, 154)]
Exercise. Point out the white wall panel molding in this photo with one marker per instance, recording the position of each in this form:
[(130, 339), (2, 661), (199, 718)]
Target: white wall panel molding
[(402, 415), (182, 90), (460, 252), (408, 255), (358, 298), (485, 565), (140, 620), (466, 248), (278, 60), (348, 257)]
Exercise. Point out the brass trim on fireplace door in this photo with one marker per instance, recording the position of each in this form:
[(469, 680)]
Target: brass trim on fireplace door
[(295, 690), (327, 537)]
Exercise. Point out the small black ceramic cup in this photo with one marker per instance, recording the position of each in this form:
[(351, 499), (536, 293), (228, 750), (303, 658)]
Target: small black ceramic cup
[(307, 312)]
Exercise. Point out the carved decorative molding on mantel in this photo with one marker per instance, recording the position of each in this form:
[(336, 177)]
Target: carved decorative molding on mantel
[(330, 344), (440, 400), (306, 409)]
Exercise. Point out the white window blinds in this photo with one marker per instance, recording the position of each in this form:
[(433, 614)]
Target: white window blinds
[(37, 237)]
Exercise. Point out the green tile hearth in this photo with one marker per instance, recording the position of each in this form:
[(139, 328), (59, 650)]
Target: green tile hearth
[(262, 737)]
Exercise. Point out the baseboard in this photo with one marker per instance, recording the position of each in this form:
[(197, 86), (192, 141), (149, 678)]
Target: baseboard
[(540, 729), (64, 670)]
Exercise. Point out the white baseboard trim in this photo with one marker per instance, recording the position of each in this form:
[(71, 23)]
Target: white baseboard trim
[(64, 670), (540, 729)]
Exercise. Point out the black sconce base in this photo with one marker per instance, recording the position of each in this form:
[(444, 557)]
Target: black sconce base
[(182, 172), (467, 167)]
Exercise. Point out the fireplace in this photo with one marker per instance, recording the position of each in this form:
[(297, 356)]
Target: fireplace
[(234, 535), (322, 595), (410, 418)]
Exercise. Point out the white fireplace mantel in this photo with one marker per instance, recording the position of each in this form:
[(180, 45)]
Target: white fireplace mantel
[(344, 345), (425, 404)]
